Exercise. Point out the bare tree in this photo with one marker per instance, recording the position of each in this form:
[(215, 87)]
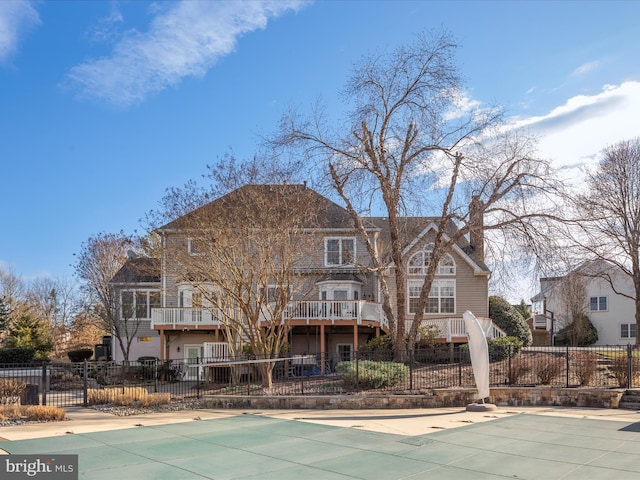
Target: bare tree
[(86, 330), (246, 256), (222, 176), (573, 305), (100, 258), (411, 146), (12, 289), (609, 213), (56, 302)]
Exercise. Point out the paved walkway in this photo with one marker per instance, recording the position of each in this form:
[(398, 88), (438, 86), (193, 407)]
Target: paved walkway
[(543, 443)]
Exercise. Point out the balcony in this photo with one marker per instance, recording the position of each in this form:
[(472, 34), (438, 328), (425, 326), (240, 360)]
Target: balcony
[(183, 317), (331, 311), (334, 311)]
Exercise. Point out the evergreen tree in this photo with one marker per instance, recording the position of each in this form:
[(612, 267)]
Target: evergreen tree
[(29, 332), (523, 308), (509, 319)]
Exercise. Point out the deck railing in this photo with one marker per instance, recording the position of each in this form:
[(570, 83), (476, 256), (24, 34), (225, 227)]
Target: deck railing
[(330, 310), (450, 328)]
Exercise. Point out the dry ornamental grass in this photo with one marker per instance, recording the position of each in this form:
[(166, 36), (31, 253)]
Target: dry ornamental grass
[(127, 397), (32, 413)]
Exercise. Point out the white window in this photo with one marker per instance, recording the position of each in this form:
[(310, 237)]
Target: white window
[(597, 304), (442, 296), (196, 247), (345, 352), (275, 292), (138, 303), (419, 263), (339, 251), (628, 330)]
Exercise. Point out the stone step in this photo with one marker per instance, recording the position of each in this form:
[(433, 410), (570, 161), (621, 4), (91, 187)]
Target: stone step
[(630, 400), (626, 405)]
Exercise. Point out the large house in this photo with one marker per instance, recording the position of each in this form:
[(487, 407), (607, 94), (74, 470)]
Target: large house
[(334, 306), (602, 294)]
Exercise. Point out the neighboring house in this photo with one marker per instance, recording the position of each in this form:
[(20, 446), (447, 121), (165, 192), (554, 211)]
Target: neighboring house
[(337, 308), (611, 313), (138, 285)]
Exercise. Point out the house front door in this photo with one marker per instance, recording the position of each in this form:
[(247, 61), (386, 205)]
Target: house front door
[(192, 357)]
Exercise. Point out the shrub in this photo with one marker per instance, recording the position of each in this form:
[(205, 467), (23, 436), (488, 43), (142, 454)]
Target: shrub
[(428, 336), (619, 366), (17, 355), (10, 390), (519, 369), (378, 348), (370, 374), (80, 355), (438, 354), (499, 348), (547, 368), (584, 366), (509, 319), (579, 333), (502, 347)]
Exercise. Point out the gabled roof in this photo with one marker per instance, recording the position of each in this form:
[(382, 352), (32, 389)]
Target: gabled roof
[(138, 270), (322, 212), (589, 268), (413, 230)]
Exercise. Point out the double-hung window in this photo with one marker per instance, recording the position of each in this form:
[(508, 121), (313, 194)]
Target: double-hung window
[(138, 303), (339, 251), (273, 293), (628, 330), (196, 247), (597, 304), (442, 296)]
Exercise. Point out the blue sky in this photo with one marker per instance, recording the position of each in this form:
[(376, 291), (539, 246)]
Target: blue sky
[(104, 104)]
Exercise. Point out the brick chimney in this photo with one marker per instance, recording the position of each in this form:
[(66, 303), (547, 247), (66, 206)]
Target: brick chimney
[(476, 225)]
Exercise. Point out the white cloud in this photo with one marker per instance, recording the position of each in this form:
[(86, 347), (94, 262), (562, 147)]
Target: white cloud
[(572, 135), (463, 104), (16, 18), (183, 40)]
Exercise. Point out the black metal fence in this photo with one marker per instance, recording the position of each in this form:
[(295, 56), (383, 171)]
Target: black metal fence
[(77, 384)]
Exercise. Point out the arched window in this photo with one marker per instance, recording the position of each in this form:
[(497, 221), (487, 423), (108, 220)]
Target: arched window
[(419, 263)]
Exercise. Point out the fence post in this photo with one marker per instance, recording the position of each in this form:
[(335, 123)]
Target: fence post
[(629, 366), (568, 363), (155, 374), (198, 377), (410, 370), (85, 383), (44, 382), (357, 371), (509, 372), (459, 367)]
